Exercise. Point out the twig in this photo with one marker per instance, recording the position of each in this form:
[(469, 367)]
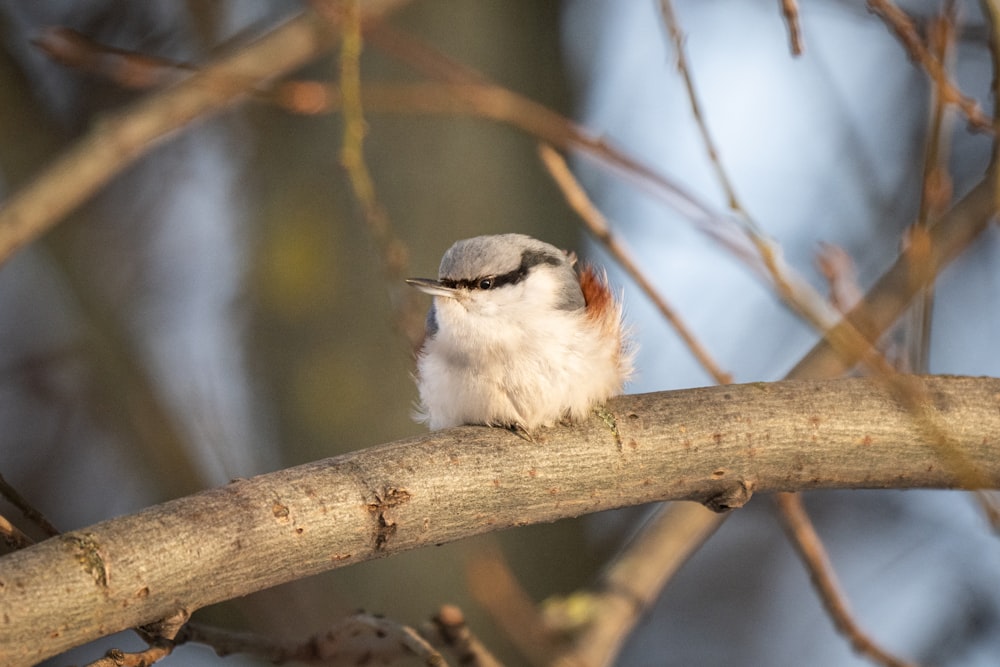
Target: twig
[(906, 32), (357, 639), (790, 10), (803, 537), (595, 222), (793, 290), (468, 92), (27, 509), (352, 154), (394, 253), (935, 194), (422, 57), (498, 591), (634, 579), (841, 275), (990, 502), (677, 36), (12, 536), (118, 658), (991, 12), (127, 69), (449, 630), (891, 294), (464, 90)]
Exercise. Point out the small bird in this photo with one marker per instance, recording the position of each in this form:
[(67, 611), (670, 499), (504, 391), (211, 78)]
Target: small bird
[(517, 337)]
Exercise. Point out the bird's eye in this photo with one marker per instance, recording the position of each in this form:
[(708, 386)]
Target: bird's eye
[(485, 283)]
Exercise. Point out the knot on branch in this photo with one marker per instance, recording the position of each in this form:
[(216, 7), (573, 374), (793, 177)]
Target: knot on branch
[(732, 496), (385, 525)]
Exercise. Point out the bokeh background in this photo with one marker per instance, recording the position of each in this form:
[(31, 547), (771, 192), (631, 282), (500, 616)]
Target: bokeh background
[(221, 310)]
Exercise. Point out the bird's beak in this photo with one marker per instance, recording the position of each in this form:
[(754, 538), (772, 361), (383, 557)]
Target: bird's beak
[(432, 287)]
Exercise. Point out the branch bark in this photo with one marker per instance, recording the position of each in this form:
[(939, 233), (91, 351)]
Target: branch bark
[(715, 445)]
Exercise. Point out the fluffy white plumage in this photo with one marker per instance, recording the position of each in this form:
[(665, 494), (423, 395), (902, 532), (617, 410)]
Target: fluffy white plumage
[(516, 337)]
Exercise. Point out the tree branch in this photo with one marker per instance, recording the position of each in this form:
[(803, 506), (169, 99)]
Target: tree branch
[(714, 445), (121, 138)]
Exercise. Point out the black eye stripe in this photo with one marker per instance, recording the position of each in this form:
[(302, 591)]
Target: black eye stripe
[(528, 260)]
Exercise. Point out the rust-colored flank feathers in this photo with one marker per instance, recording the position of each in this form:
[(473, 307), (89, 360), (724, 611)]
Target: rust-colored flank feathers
[(596, 293)]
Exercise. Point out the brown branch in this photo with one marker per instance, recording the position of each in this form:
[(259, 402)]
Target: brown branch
[(127, 69), (790, 11), (795, 291), (715, 445), (803, 537), (449, 631), (840, 273), (677, 37), (634, 580), (408, 307), (12, 536), (496, 589), (118, 658), (935, 195), (595, 222), (27, 509), (121, 138), (895, 289), (900, 24)]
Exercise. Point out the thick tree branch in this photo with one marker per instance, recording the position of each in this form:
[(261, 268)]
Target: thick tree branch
[(714, 445)]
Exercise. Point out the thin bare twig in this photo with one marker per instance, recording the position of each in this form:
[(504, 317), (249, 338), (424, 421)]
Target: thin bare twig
[(900, 24), (449, 630), (677, 37), (498, 591), (803, 536), (469, 92), (407, 305), (595, 222), (991, 11), (12, 536), (27, 509), (793, 290), (790, 10), (464, 90), (118, 658), (127, 69), (935, 194), (841, 275)]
